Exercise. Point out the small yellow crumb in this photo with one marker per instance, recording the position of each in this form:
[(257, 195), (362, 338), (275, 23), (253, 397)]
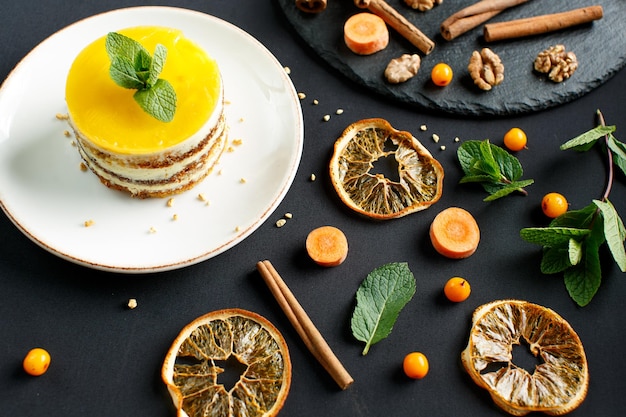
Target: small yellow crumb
[(227, 102), (132, 303), (230, 149), (61, 116), (242, 180), (287, 70), (83, 167), (73, 144), (313, 177), (423, 128), (152, 229), (435, 138), (339, 111), (442, 147), (89, 223), (288, 216), (281, 222), (67, 133), (316, 102), (237, 142), (326, 117), (301, 96), (237, 228), (170, 202), (175, 216), (202, 197), (219, 172), (241, 120), (457, 139)]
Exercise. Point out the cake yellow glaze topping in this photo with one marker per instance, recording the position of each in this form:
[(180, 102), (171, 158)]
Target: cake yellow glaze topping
[(127, 147)]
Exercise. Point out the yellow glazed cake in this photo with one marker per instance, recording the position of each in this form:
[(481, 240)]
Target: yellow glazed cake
[(127, 148)]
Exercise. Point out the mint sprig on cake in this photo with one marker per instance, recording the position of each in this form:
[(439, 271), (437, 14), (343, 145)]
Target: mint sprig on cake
[(132, 67)]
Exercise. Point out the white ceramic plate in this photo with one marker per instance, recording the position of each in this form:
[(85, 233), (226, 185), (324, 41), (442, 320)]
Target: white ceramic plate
[(47, 196)]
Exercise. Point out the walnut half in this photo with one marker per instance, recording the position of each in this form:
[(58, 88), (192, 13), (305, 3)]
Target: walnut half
[(558, 63), (402, 69), (422, 5), (486, 69)]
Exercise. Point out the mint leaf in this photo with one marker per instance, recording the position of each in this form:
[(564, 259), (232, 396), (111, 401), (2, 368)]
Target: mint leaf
[(156, 64), (613, 232), (506, 189), (555, 259), (586, 140), (132, 67), (159, 101), (122, 72), (120, 45), (619, 152), (379, 300), (551, 236), (583, 280)]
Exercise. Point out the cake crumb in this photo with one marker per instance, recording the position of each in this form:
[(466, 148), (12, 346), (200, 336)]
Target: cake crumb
[(423, 128), (316, 102), (152, 229), (456, 139), (326, 117), (288, 215), (175, 217), (313, 177), (241, 119), (83, 167), (132, 303), (242, 180), (230, 149), (89, 223), (170, 202), (301, 96), (202, 197), (435, 138), (67, 133), (339, 111), (281, 222), (442, 147), (237, 228), (61, 116), (287, 70), (237, 142)]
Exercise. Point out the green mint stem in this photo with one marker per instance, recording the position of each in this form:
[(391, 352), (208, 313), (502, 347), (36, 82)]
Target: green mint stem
[(609, 184)]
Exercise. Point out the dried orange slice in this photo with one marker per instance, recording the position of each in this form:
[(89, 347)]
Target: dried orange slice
[(420, 176), (192, 368), (557, 385)]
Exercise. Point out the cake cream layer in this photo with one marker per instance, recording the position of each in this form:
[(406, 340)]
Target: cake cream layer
[(161, 174)]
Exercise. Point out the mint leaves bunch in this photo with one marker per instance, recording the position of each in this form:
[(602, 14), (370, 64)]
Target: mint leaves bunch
[(572, 241), (132, 67), (494, 168)]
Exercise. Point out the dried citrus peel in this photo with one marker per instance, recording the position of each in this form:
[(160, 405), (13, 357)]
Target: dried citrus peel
[(191, 367), (557, 385), (420, 176)]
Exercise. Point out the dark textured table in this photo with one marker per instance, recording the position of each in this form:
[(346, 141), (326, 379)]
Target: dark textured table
[(106, 358)]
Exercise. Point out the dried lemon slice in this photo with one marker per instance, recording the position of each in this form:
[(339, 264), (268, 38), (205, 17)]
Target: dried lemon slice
[(191, 368), (420, 176), (557, 385)]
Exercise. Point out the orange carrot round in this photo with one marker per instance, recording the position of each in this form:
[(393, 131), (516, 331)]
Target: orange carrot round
[(365, 33), (327, 246), (454, 233)]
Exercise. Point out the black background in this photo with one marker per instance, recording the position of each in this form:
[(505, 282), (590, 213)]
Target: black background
[(106, 359)]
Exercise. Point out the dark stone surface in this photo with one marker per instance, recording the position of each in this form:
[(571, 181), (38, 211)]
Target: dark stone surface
[(599, 46)]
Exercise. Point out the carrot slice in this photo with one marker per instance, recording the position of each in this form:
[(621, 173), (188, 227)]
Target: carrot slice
[(454, 233), (365, 33), (327, 246)]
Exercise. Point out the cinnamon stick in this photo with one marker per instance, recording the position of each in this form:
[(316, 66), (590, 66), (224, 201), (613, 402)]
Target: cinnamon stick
[(399, 23), (472, 16), (311, 6), (303, 325), (541, 24)]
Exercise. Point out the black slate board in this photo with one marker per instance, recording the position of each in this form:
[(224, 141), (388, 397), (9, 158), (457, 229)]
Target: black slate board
[(600, 47)]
